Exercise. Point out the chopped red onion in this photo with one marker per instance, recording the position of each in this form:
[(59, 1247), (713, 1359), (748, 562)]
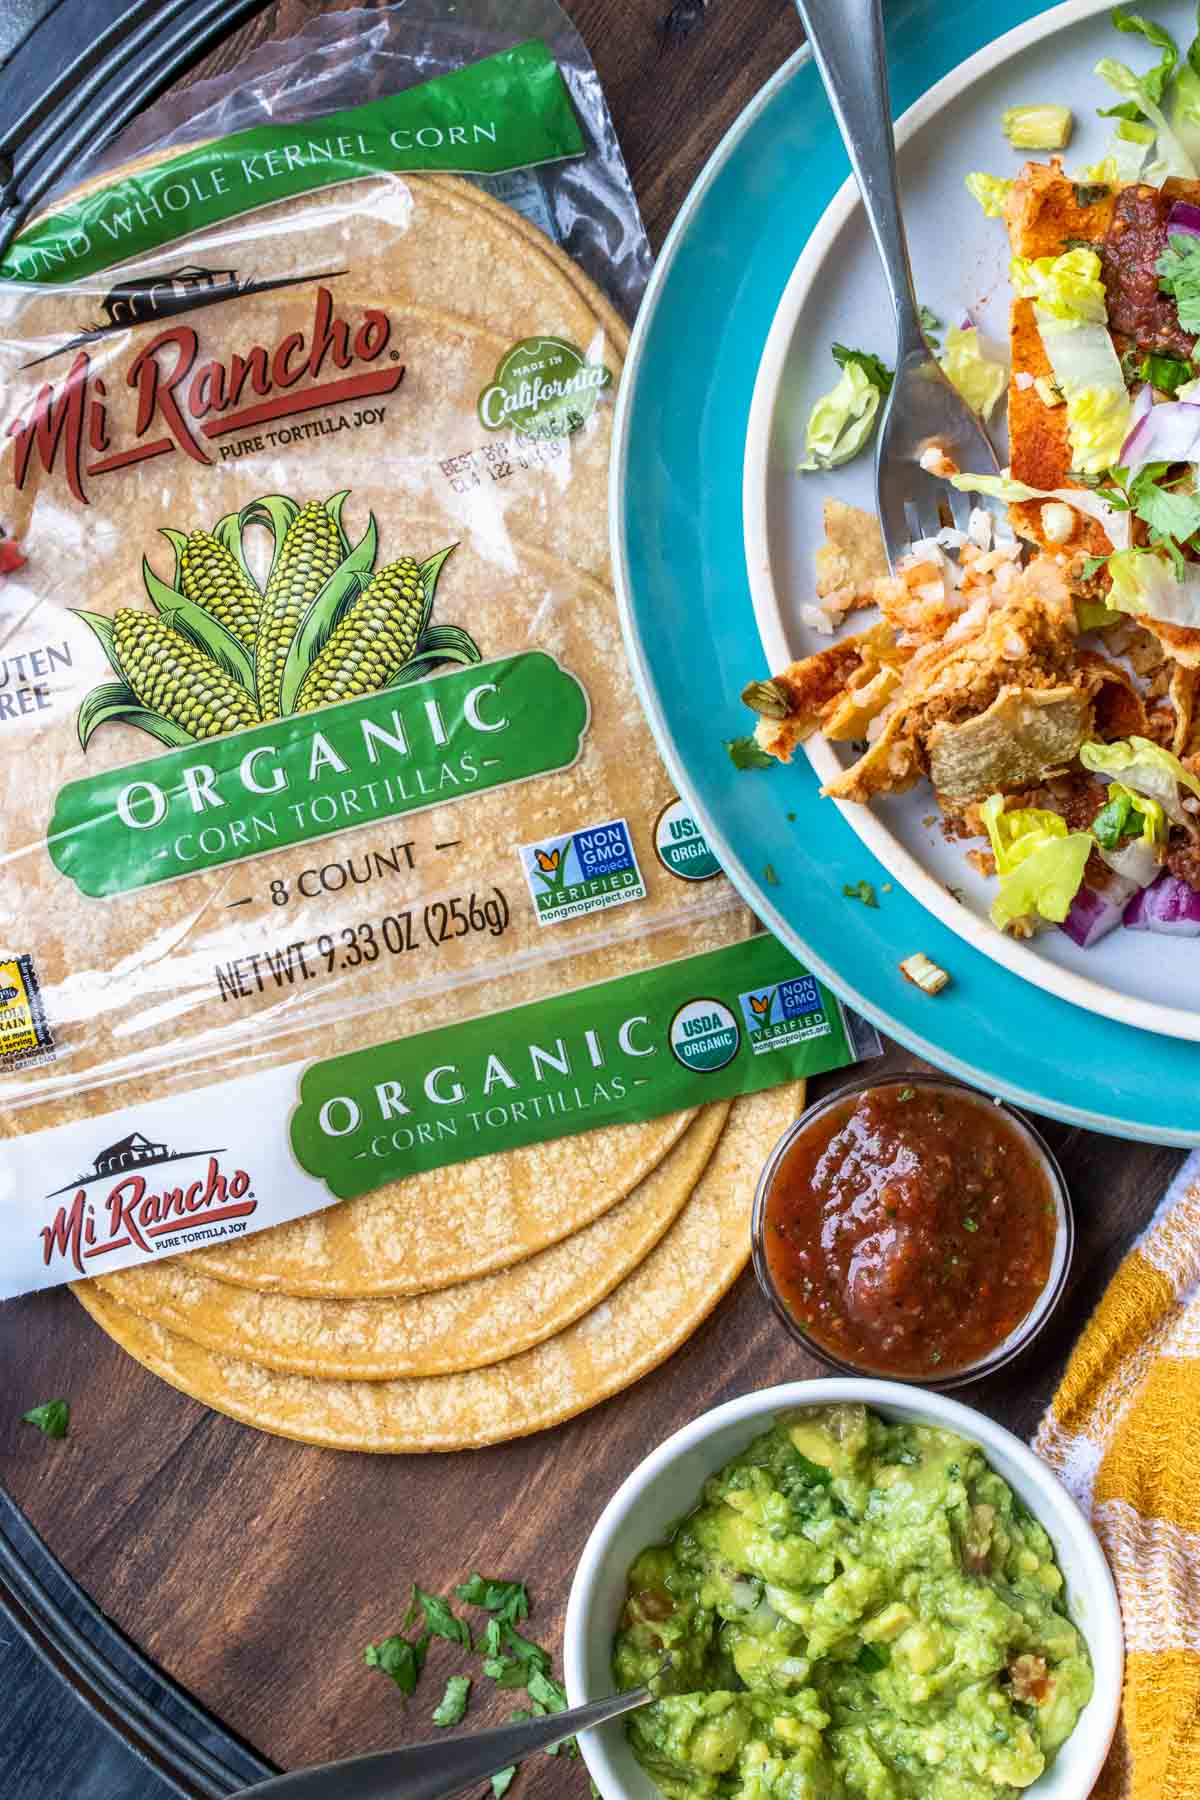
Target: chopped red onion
[(1169, 432), (1184, 219), (1095, 912), (1169, 907)]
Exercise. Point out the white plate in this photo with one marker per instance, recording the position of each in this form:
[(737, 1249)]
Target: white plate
[(837, 293)]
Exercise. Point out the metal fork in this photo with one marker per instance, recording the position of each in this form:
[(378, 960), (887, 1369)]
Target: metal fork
[(447, 1766), (923, 410)]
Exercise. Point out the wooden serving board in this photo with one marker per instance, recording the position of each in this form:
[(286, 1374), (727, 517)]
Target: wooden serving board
[(254, 1570)]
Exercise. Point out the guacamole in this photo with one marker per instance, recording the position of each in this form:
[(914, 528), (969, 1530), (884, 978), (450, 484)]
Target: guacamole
[(856, 1610)]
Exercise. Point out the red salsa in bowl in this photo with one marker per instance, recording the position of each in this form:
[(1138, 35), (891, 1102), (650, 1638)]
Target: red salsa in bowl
[(912, 1228)]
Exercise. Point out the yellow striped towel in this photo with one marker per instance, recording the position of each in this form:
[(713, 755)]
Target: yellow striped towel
[(1123, 1434)]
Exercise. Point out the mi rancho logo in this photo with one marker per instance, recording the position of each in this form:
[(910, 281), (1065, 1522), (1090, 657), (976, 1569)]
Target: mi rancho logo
[(141, 1194)]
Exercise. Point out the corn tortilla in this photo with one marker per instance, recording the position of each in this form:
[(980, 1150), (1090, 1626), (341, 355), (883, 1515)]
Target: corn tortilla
[(642, 1322), (464, 1327), (462, 278)]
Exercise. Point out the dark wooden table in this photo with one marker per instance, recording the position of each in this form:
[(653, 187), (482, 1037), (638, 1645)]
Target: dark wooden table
[(254, 1569)]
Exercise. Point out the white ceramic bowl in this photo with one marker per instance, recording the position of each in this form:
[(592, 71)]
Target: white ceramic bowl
[(668, 1483)]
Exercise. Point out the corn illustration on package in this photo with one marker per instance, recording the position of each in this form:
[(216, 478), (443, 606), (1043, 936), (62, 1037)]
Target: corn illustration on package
[(336, 847)]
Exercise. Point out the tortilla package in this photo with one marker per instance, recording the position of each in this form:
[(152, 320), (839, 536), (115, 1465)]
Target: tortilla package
[(339, 860)]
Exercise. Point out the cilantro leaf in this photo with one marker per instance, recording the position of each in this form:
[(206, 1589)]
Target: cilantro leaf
[(505, 1671), (439, 1620), (453, 1707), (769, 875), (508, 1599), (747, 753), (875, 370), (1088, 193), (860, 890), (397, 1657), (1092, 566), (503, 1780), (52, 1418), (931, 325), (1178, 270), (1168, 512), (530, 1655), (873, 1657)]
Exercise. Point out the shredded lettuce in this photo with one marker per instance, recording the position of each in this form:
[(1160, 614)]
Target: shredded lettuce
[(1145, 582), (1046, 127), (842, 420), (1102, 174), (979, 378), (1144, 768), (1114, 521), (991, 191), (1097, 423), (1067, 288), (1040, 863), (1072, 314), (1172, 158), (1185, 103)]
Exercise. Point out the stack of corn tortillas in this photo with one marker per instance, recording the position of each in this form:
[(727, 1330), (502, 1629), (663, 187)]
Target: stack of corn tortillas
[(498, 1296), (487, 1359)]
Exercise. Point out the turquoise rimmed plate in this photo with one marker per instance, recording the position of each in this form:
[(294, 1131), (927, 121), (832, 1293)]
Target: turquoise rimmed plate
[(681, 433)]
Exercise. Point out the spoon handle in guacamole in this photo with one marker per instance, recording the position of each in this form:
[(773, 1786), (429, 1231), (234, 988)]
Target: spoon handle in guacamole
[(447, 1766)]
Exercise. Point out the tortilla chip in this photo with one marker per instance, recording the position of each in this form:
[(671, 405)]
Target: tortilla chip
[(1024, 735), (1118, 708), (852, 556), (1043, 210), (817, 682), (462, 1327), (643, 1321), (1182, 695), (893, 763), (1182, 642)]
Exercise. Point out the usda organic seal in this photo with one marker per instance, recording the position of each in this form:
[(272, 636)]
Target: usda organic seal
[(704, 1036), (681, 846)]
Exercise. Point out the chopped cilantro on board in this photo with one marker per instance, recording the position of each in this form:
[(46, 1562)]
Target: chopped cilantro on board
[(52, 1418), (509, 1600), (747, 753), (399, 1658), (860, 890), (440, 1621), (453, 1707)]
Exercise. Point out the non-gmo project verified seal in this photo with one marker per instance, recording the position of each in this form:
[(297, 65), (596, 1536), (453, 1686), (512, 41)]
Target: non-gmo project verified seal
[(583, 872), (788, 1013)]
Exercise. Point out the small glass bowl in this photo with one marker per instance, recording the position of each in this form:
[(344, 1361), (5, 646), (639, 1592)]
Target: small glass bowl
[(1021, 1335)]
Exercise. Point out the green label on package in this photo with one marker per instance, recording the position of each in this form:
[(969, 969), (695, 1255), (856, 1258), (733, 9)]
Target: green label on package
[(300, 778), (510, 111), (612, 1054)]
